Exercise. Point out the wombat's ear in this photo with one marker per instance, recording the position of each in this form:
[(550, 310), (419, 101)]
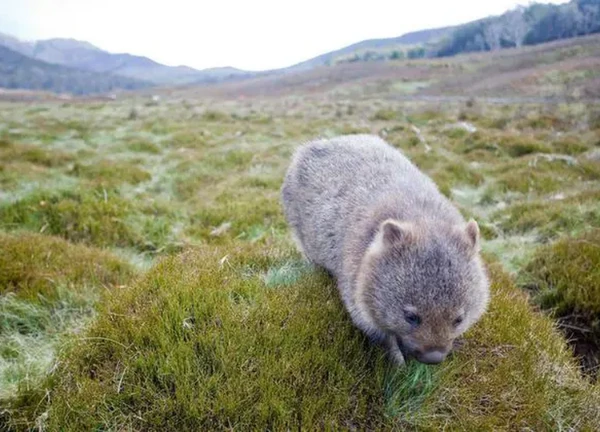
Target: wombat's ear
[(395, 232), (472, 230)]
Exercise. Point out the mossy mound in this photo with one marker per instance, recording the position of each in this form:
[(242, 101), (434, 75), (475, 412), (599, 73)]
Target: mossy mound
[(112, 173), (550, 218), (96, 217), (567, 274), (31, 265), (211, 339), (565, 278)]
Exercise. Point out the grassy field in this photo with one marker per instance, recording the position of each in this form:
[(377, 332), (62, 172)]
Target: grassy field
[(147, 281)]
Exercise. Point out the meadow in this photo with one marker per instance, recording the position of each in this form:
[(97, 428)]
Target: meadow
[(148, 282)]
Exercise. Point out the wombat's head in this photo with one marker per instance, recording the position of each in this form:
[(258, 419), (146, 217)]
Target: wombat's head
[(425, 286)]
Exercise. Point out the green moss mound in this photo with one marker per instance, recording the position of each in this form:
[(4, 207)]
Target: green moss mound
[(202, 343), (211, 340), (566, 277), (96, 217), (31, 265), (112, 173)]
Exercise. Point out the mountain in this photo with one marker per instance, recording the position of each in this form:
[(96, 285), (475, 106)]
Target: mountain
[(389, 44), (85, 56), (18, 71), (25, 48)]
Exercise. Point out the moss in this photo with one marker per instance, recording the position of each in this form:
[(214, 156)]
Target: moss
[(385, 115), (514, 369), (112, 173), (13, 152), (96, 217), (479, 147), (141, 146), (551, 218), (247, 218), (547, 122), (32, 265), (223, 352), (457, 133), (536, 174), (517, 146), (188, 139), (212, 115), (569, 145), (454, 174), (566, 276)]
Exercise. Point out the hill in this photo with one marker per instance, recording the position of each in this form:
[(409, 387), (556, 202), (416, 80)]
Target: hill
[(85, 56), (535, 24), (373, 45), (18, 71)]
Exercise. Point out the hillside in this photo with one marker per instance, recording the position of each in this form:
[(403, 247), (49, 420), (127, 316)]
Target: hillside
[(535, 24), (21, 72), (374, 45), (85, 56)]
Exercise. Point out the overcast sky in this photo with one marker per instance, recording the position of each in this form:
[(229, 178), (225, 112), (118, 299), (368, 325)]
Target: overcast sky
[(249, 34)]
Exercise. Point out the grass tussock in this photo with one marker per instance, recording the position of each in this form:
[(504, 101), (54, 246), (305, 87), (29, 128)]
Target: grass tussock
[(203, 343), (567, 274), (96, 217), (565, 277), (13, 152), (551, 218), (111, 173), (32, 265)]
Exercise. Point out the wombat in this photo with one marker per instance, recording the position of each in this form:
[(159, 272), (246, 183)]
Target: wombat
[(407, 264)]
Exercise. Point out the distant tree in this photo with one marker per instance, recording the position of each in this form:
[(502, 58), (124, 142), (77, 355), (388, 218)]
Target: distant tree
[(397, 55), (590, 16), (492, 34), (416, 53), (515, 26)]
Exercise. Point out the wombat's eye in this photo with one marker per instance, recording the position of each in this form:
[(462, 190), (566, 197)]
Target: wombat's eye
[(458, 320), (413, 319)]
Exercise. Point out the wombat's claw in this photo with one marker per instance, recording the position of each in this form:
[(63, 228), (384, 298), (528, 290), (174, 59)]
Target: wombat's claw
[(397, 358), (394, 351)]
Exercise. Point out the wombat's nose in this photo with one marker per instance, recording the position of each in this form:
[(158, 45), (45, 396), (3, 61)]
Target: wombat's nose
[(432, 357)]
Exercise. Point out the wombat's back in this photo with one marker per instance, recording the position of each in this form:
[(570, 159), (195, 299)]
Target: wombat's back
[(332, 185)]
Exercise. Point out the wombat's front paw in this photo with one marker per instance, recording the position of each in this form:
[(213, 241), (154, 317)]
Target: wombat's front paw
[(394, 351)]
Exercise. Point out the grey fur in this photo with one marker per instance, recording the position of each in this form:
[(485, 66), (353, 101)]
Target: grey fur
[(395, 244)]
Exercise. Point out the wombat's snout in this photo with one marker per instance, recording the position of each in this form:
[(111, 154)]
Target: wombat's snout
[(425, 354), (432, 356)]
